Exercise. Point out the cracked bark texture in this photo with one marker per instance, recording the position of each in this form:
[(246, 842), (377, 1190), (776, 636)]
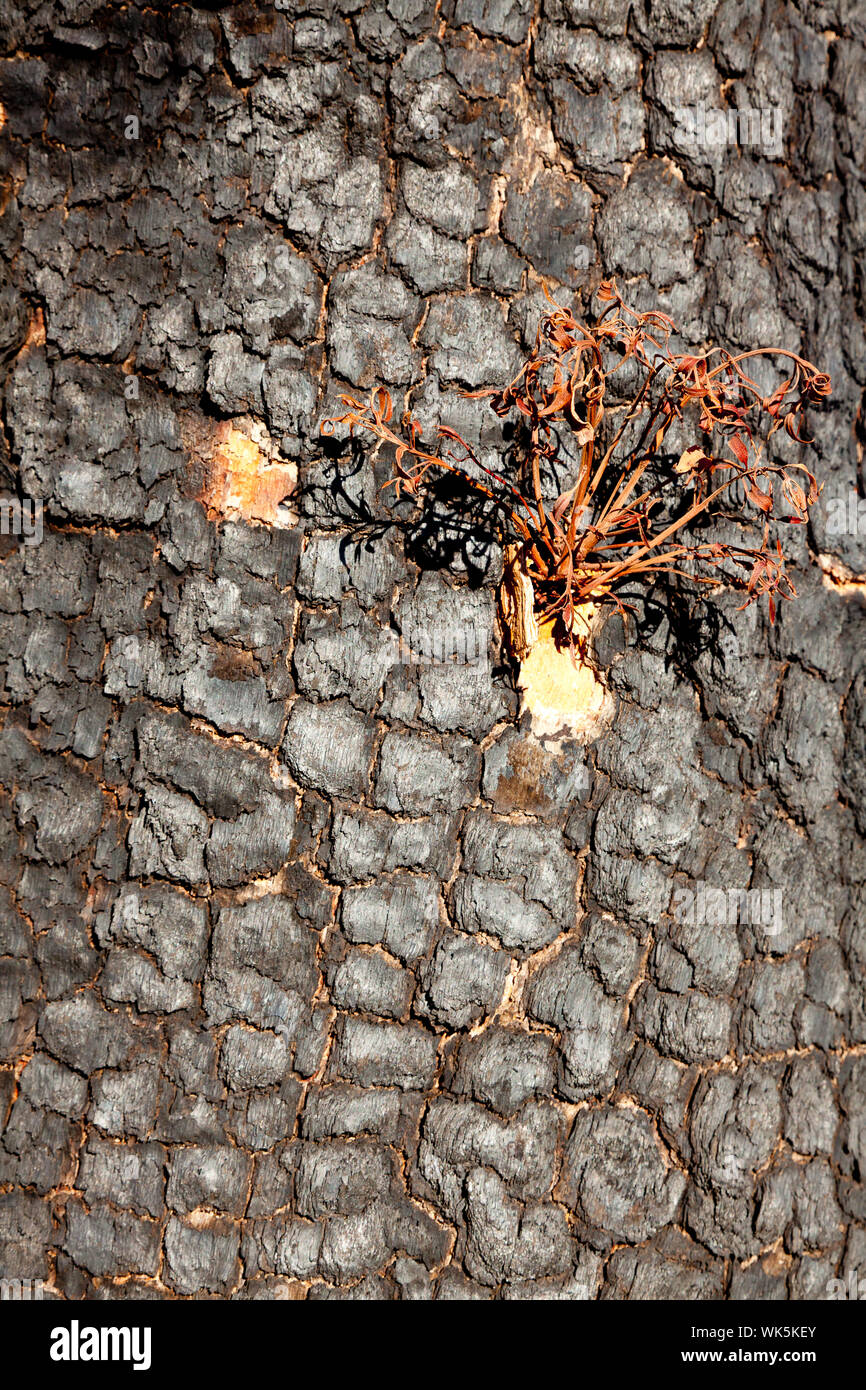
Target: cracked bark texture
[(322, 978)]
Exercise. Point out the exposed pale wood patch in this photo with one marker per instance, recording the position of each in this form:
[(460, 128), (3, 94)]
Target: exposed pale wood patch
[(244, 483), (564, 695), (236, 471)]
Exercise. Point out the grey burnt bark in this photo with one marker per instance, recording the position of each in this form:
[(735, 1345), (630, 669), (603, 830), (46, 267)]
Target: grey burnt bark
[(320, 976)]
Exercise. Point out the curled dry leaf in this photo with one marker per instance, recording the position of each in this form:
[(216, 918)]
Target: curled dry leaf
[(691, 460)]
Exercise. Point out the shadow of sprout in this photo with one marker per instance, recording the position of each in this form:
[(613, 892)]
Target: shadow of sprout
[(447, 527)]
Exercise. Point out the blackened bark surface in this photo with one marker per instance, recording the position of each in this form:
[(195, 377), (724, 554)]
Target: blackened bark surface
[(321, 978)]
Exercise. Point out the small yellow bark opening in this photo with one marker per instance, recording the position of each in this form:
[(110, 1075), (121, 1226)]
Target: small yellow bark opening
[(244, 483), (564, 694), (237, 472)]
